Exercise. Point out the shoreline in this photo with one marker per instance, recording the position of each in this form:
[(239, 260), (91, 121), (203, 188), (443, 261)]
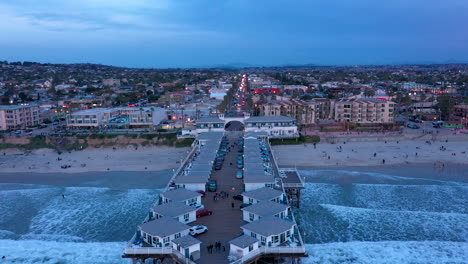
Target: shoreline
[(149, 159), (385, 154)]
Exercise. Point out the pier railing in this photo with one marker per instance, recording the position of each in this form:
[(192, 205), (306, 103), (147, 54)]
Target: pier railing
[(269, 250), (148, 251)]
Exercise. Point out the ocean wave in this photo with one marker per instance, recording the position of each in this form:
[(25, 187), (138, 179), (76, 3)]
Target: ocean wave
[(331, 223), (386, 252), (367, 177), (95, 214), (431, 198), (45, 252)]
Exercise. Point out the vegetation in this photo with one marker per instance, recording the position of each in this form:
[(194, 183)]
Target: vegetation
[(295, 141), (186, 142)]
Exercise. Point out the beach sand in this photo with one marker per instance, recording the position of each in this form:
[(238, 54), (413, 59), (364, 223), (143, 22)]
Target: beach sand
[(354, 154), (128, 159)]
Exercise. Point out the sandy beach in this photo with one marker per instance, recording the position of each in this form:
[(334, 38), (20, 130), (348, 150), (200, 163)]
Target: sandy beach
[(103, 159), (353, 154)]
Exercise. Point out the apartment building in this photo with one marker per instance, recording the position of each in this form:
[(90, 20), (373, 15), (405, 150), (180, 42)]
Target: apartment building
[(19, 116), (304, 112), (118, 117), (369, 110)]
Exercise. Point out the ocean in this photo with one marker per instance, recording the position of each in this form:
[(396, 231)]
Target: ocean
[(349, 215)]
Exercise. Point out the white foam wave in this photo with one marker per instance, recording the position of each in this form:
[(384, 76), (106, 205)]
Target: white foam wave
[(45, 252), (341, 223), (95, 214), (386, 252), (431, 198), (348, 177)]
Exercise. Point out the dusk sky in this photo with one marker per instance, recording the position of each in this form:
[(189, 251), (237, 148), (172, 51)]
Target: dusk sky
[(193, 33)]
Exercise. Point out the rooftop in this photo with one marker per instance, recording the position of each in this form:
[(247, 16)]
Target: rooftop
[(269, 119), (266, 208), (210, 120), (263, 194), (186, 241), (180, 194), (163, 227), (173, 209), (243, 241), (269, 226)]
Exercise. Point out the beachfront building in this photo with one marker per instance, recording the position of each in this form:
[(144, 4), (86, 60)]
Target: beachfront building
[(302, 111), (366, 110), (262, 194), (273, 126), (117, 117), (197, 173), (176, 210), (188, 246), (182, 195), (160, 232), (264, 209), (19, 116), (271, 231), (243, 245)]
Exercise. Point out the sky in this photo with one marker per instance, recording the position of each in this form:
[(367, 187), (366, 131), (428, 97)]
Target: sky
[(203, 33)]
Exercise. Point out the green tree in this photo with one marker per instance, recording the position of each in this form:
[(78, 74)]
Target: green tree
[(445, 105)]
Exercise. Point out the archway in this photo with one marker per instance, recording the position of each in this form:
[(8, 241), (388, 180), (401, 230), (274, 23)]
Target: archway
[(234, 126)]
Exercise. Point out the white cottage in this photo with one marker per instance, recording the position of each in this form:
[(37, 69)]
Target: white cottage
[(160, 232), (185, 196), (188, 246), (177, 210), (264, 209), (271, 231), (242, 245), (262, 194)]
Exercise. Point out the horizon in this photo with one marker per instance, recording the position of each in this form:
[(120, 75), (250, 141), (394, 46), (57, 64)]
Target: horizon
[(207, 34)]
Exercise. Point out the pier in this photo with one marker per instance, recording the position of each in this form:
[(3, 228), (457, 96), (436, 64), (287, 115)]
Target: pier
[(234, 227)]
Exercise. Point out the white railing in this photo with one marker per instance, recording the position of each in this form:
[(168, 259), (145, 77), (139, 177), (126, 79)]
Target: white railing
[(269, 250), (182, 165), (148, 250), (158, 251), (293, 185)]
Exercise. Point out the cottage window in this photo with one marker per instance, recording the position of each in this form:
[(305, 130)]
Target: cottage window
[(166, 240), (186, 217), (250, 248), (263, 240), (253, 235), (177, 235)]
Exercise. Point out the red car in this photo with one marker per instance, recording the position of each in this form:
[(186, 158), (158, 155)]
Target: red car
[(201, 192), (203, 212)]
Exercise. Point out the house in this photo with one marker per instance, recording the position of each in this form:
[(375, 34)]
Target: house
[(185, 196), (177, 210), (271, 231), (193, 183), (263, 194), (264, 209), (242, 245), (160, 232), (256, 178), (188, 246)]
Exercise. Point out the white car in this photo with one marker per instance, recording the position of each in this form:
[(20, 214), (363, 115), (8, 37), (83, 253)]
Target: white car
[(198, 229), (239, 174)]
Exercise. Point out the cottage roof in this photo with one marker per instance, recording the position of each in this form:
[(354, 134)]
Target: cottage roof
[(163, 227)]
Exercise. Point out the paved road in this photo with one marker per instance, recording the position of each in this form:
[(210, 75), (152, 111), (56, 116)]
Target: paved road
[(224, 224)]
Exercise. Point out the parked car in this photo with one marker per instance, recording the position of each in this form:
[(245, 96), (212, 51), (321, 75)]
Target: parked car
[(203, 193), (238, 197), (204, 212), (198, 229), (239, 174), (212, 186), (412, 126), (218, 165), (240, 165)]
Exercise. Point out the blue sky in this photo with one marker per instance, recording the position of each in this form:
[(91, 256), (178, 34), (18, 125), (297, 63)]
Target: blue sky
[(192, 33)]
